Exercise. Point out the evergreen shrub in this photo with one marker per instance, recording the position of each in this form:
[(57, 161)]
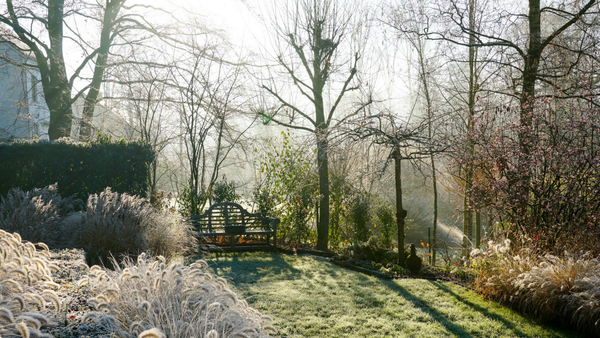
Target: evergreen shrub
[(78, 168)]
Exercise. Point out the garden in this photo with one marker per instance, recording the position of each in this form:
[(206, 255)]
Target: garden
[(165, 284), (328, 168)]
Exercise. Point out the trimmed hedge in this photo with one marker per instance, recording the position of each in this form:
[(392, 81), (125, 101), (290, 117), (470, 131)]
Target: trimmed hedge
[(78, 168)]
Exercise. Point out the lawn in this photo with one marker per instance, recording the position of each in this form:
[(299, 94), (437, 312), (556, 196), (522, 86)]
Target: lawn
[(309, 297)]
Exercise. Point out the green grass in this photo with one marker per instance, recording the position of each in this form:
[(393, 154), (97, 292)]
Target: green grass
[(309, 297)]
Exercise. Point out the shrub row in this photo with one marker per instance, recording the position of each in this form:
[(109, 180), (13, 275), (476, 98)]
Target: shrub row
[(79, 168)]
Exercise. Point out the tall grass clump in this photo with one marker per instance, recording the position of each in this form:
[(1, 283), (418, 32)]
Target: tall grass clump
[(27, 300), (172, 300), (37, 214), (119, 225), (553, 289)]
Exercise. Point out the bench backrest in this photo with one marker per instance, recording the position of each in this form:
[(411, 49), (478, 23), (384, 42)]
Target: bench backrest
[(228, 214)]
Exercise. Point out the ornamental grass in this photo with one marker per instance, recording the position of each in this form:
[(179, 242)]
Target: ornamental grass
[(551, 289), (153, 299), (27, 296)]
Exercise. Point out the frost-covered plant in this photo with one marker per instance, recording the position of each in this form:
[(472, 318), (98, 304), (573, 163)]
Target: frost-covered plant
[(546, 187), (554, 289), (497, 269), (153, 299), (116, 225), (26, 296), (36, 214)]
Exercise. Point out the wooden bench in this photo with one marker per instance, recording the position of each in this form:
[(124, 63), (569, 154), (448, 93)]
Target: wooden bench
[(231, 219)]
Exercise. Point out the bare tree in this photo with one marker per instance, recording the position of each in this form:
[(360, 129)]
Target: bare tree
[(405, 141), (316, 54), (531, 43), (146, 96), (211, 110), (45, 29)]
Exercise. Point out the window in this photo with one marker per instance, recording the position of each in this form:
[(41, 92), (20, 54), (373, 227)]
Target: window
[(34, 93)]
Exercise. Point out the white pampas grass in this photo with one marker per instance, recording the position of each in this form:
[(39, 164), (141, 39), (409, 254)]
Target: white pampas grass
[(212, 334)]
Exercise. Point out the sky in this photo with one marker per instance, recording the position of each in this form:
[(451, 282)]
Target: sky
[(232, 16)]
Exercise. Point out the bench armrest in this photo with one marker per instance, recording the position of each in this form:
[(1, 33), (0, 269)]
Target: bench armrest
[(273, 222)]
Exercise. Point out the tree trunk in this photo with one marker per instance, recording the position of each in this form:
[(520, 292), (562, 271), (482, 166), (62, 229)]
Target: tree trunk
[(323, 163), (526, 100), (468, 214), (424, 79), (530, 69), (478, 229), (61, 113), (58, 92), (400, 212), (110, 15), (435, 210)]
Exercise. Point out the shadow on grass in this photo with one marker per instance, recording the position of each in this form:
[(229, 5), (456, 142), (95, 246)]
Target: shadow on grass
[(441, 318), (367, 299), (510, 326), (251, 268)]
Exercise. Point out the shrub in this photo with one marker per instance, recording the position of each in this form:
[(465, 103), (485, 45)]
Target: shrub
[(79, 168), (37, 214), (288, 174), (174, 300), (265, 201), (546, 187), (190, 202), (359, 215), (373, 252), (553, 289), (25, 287), (122, 225), (224, 191), (387, 225)]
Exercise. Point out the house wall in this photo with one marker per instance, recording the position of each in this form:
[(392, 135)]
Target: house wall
[(23, 110)]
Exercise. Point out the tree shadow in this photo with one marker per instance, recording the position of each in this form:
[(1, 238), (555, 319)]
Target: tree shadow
[(441, 318), (435, 314), (241, 268), (508, 324)]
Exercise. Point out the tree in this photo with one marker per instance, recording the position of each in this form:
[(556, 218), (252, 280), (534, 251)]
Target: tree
[(425, 65), (548, 61), (555, 32), (210, 90), (315, 53), (40, 28), (146, 94), (405, 141)]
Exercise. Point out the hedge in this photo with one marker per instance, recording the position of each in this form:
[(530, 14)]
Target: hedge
[(78, 168)]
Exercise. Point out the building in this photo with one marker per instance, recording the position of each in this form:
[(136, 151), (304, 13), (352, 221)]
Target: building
[(23, 110)]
